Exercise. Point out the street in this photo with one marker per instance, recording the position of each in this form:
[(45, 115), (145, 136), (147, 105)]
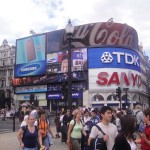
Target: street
[(9, 141)]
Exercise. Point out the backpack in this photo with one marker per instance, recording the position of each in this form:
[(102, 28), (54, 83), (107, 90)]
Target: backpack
[(98, 143), (74, 124), (137, 123)]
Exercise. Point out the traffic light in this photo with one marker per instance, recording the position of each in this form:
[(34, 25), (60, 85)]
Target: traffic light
[(64, 89), (118, 93), (32, 96)]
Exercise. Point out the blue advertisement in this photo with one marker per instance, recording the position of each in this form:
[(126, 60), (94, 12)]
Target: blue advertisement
[(58, 95), (30, 56), (113, 58), (31, 89)]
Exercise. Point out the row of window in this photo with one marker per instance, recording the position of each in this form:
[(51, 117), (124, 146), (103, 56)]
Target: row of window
[(7, 53), (4, 73), (5, 62)]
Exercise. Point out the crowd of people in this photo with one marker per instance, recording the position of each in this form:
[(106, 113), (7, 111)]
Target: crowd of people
[(82, 128)]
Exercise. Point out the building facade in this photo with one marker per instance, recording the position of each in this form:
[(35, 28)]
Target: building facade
[(7, 60), (108, 56)]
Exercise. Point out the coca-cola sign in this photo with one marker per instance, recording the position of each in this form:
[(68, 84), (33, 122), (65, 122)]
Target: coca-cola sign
[(103, 34)]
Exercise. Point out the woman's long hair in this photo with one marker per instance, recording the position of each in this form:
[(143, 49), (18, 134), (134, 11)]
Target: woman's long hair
[(127, 125)]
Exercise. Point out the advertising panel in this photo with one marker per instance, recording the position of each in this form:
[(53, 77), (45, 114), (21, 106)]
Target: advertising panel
[(30, 56), (31, 89), (38, 96), (113, 58), (50, 78), (75, 86), (53, 41), (103, 34), (111, 78), (58, 62), (58, 95)]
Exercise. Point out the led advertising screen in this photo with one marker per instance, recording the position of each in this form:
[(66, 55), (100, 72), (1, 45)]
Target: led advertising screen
[(53, 41), (30, 56), (113, 58), (31, 89), (58, 62)]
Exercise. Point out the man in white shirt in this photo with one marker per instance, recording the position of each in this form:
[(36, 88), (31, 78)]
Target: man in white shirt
[(108, 128)]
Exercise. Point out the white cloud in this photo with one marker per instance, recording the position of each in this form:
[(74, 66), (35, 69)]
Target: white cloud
[(18, 17)]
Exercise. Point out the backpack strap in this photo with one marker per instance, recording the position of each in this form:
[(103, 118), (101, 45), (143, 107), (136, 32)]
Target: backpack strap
[(24, 128), (73, 125), (137, 112), (98, 127)]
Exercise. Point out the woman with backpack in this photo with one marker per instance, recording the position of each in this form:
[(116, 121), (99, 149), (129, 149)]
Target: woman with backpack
[(28, 135), (75, 131)]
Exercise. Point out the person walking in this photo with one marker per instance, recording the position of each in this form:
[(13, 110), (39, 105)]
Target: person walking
[(125, 140), (85, 118), (45, 132), (145, 135), (28, 135), (108, 128), (75, 132)]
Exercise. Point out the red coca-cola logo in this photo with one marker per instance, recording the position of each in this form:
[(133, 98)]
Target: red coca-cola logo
[(103, 34)]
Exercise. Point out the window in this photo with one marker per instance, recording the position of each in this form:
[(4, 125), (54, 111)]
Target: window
[(4, 54), (3, 83), (10, 72), (98, 97), (111, 97), (11, 61), (3, 62)]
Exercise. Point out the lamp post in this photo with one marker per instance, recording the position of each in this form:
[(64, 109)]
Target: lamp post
[(69, 33)]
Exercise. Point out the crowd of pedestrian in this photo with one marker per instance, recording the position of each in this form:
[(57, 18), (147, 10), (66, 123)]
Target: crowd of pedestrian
[(117, 128), (85, 128)]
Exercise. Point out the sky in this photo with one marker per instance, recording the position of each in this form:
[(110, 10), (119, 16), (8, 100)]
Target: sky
[(18, 17)]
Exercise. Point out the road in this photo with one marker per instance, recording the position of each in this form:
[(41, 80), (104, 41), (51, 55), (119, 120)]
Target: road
[(8, 141)]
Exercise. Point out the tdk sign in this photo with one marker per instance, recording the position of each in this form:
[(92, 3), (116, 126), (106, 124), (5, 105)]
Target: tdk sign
[(129, 59), (29, 69), (113, 58)]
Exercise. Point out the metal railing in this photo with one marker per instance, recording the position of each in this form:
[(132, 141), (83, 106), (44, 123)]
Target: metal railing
[(9, 124)]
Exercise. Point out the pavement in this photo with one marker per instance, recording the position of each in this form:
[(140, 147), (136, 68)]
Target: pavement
[(9, 141)]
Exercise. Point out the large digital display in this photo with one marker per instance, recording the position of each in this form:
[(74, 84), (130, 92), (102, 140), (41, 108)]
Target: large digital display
[(30, 56), (53, 41), (31, 89), (113, 58), (58, 62), (75, 86), (49, 78), (58, 95), (103, 34)]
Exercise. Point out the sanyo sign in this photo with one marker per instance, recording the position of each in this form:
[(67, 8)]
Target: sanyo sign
[(114, 58)]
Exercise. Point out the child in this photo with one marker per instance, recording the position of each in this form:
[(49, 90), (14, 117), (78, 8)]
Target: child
[(145, 136)]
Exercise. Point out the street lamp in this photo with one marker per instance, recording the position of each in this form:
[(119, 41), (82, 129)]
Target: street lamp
[(69, 33)]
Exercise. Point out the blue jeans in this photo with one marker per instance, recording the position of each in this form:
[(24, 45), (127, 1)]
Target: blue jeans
[(45, 142), (25, 148)]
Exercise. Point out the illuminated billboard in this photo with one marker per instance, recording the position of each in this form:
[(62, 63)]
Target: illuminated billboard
[(30, 56), (58, 62), (31, 89), (111, 78), (113, 58)]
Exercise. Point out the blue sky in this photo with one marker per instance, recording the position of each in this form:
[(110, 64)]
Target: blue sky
[(18, 17)]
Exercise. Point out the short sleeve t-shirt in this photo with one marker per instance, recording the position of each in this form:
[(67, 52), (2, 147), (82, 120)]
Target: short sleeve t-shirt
[(76, 132), (109, 129), (145, 146)]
